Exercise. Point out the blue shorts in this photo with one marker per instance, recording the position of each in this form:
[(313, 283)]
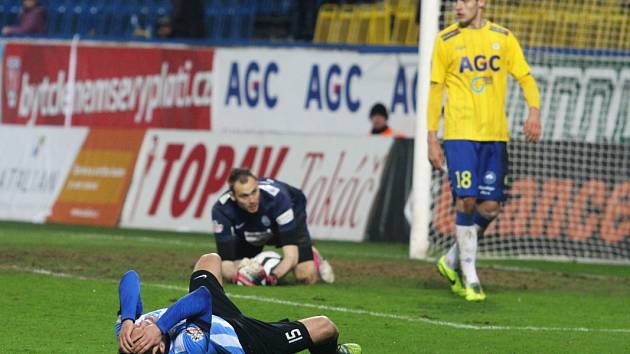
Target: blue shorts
[(476, 169)]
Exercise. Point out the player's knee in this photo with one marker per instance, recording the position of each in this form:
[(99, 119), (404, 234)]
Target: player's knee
[(489, 210), (329, 328), (491, 214), (320, 328), (326, 329), (467, 205), (208, 261), (308, 279), (306, 273)]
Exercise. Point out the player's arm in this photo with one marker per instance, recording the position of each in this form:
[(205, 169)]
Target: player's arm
[(130, 308), (436, 90), (288, 237), (532, 127), (436, 155), (289, 260), (522, 73), (195, 306)]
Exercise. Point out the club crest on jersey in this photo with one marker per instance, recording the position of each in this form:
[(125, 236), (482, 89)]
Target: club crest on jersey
[(196, 334), (489, 177), (478, 83), (479, 63), (265, 220)]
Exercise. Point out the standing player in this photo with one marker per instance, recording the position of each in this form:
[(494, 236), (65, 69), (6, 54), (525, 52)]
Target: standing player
[(472, 58), (257, 212), (206, 321)]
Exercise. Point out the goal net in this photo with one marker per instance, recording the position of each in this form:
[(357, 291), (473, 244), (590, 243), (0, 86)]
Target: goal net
[(569, 194)]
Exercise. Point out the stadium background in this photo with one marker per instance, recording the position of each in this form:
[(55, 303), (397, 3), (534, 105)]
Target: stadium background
[(284, 87)]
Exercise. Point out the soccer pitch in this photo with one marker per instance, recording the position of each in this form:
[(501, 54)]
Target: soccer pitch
[(59, 295)]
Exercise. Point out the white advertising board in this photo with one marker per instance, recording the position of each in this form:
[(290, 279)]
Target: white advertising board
[(180, 174), (317, 91), (34, 164), (310, 91)]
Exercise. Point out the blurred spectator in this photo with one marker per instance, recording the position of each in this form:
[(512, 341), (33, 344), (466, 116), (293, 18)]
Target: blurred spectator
[(32, 20), (163, 27), (378, 117), (187, 19)]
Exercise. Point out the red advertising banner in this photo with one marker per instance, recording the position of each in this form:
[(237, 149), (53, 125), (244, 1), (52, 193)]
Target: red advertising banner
[(97, 184), (107, 86), (179, 175)]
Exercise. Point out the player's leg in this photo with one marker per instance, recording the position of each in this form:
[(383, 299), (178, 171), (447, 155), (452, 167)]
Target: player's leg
[(492, 171), (210, 262), (467, 241), (485, 212), (323, 267), (462, 162), (207, 272), (311, 266), (324, 335)]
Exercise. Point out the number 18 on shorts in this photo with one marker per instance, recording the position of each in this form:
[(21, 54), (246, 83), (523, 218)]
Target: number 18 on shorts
[(476, 169)]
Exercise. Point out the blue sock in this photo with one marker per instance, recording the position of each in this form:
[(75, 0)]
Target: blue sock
[(464, 219)]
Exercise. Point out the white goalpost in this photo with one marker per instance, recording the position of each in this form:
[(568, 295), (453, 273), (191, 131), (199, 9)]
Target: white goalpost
[(421, 197)]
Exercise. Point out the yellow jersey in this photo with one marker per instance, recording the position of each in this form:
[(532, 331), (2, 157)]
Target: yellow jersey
[(473, 65)]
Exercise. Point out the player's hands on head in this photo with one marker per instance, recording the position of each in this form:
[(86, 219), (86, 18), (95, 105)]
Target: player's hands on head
[(149, 338), (532, 128), (125, 343)]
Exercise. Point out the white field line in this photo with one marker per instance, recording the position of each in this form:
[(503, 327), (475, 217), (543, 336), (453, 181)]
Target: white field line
[(366, 313)]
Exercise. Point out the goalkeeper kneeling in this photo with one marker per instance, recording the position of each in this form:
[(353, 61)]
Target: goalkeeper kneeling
[(255, 212)]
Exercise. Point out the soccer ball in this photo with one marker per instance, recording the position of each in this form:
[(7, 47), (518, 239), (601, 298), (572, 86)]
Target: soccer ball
[(268, 260)]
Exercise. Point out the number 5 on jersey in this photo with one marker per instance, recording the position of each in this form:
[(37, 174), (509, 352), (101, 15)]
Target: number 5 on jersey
[(294, 335)]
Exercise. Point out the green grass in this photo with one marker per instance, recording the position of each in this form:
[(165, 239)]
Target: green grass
[(381, 299)]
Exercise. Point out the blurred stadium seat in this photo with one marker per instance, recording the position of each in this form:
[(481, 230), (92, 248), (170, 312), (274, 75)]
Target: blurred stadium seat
[(406, 29), (380, 29), (536, 23), (340, 25), (359, 25), (327, 14), (232, 20)]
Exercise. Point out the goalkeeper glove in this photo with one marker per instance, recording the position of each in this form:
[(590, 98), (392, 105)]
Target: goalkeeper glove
[(271, 279), (241, 279), (249, 273)]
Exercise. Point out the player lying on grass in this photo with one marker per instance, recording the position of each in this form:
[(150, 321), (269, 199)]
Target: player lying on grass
[(207, 321), (255, 212)]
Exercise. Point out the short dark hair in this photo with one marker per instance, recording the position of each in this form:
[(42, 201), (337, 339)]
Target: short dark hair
[(241, 175), (379, 109)]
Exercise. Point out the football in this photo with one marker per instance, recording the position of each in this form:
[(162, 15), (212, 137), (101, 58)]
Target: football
[(268, 260)]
